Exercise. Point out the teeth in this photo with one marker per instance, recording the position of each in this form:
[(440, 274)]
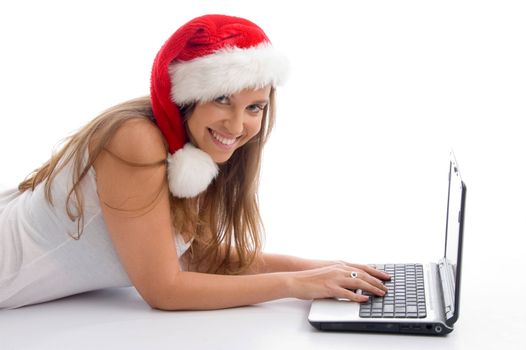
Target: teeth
[(222, 139)]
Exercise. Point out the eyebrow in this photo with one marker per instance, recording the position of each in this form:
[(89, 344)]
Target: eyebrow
[(262, 101), (265, 101)]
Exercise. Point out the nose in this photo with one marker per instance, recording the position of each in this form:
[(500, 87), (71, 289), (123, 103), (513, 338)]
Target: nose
[(235, 124)]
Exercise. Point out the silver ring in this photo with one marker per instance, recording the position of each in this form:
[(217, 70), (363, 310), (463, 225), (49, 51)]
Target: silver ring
[(354, 274)]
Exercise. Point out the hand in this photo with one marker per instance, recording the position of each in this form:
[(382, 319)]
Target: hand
[(336, 281), (312, 264), (370, 270)]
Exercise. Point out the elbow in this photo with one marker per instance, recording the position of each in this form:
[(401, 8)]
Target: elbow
[(167, 304), (167, 296), (158, 303), (162, 306)]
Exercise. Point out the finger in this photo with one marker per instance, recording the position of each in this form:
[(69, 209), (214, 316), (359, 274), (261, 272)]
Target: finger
[(373, 271), (350, 295), (375, 282), (368, 278), (359, 283)]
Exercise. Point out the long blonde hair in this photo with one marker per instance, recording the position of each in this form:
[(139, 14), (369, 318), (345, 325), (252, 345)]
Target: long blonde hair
[(224, 219)]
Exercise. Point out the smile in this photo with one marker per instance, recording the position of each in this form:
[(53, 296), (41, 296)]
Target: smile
[(221, 139)]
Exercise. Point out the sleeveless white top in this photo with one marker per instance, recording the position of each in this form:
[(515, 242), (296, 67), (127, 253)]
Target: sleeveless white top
[(40, 261)]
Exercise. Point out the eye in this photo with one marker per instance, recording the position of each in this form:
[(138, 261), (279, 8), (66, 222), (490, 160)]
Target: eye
[(222, 100), (256, 108)]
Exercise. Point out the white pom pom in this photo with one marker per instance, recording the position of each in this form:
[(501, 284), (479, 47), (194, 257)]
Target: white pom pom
[(190, 171)]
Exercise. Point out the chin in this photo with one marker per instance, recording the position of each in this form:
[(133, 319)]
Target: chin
[(222, 160), (222, 157)]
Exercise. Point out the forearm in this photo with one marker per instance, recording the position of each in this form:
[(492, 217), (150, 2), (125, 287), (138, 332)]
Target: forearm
[(201, 291), (268, 263), (282, 263)]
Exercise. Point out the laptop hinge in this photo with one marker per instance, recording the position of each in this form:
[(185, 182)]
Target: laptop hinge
[(447, 281)]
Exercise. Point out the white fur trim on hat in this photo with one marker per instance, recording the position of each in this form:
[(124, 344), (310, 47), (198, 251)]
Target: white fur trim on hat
[(190, 171), (226, 72)]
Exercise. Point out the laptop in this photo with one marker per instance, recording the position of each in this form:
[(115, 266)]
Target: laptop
[(421, 298)]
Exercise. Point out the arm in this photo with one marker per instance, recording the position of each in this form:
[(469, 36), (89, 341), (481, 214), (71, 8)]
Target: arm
[(136, 208), (277, 262), (268, 263)]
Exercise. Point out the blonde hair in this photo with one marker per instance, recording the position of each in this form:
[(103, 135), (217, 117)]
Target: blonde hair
[(223, 219)]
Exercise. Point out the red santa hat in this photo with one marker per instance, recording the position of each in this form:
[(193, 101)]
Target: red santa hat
[(208, 57)]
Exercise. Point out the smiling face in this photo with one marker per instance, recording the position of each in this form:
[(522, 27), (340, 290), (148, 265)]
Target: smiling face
[(221, 126)]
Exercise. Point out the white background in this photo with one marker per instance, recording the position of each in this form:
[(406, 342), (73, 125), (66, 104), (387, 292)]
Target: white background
[(379, 93)]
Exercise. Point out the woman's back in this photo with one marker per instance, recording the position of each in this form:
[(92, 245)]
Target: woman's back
[(38, 251)]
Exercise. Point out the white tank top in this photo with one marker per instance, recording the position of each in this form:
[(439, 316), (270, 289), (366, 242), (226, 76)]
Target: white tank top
[(40, 261)]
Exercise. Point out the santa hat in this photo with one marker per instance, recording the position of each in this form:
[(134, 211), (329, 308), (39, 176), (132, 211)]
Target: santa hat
[(208, 57)]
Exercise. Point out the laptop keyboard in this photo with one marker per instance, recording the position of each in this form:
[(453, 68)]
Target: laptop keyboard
[(405, 297)]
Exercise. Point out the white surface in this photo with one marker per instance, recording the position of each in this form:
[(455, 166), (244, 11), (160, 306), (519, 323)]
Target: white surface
[(356, 167), (119, 319)]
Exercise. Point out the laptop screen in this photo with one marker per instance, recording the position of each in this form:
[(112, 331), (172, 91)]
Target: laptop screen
[(454, 231)]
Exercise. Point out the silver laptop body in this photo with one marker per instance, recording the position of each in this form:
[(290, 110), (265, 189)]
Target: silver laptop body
[(441, 284)]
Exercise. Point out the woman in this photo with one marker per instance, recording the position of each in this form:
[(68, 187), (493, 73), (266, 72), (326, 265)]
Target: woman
[(112, 209)]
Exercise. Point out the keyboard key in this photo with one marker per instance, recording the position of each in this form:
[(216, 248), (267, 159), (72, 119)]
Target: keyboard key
[(388, 308), (411, 308)]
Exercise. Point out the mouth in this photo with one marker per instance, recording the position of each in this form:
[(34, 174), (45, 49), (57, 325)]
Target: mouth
[(222, 140)]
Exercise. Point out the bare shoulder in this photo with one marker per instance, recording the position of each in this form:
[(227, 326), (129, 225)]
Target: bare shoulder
[(138, 141), (131, 171)]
